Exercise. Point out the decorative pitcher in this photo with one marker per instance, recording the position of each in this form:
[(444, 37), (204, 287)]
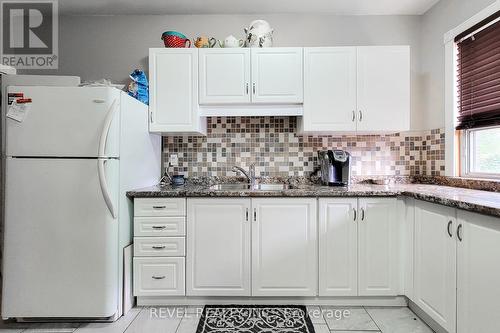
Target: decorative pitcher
[(202, 41), (259, 34)]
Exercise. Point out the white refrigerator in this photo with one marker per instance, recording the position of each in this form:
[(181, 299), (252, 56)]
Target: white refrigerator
[(68, 164)]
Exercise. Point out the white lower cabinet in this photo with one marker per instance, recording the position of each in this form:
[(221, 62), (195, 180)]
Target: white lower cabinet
[(158, 276), (378, 247), (218, 251), (358, 247), (435, 262), (284, 247), (338, 247), (478, 273)]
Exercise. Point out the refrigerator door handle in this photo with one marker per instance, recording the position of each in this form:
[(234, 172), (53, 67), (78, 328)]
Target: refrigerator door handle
[(105, 129), (104, 187)]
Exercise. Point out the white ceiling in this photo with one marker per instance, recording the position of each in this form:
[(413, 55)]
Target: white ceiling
[(162, 7)]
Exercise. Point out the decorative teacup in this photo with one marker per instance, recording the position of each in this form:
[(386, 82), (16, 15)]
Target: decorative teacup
[(231, 41)]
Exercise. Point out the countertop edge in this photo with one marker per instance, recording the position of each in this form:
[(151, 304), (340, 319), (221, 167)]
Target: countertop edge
[(464, 205)]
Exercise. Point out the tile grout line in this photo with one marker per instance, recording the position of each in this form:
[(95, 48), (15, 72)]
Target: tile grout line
[(369, 315), (137, 315), (180, 321)]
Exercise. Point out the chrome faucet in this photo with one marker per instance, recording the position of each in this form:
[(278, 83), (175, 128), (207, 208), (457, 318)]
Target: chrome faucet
[(250, 175)]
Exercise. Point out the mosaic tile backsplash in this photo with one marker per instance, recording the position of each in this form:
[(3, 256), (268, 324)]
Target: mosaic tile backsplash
[(272, 143)]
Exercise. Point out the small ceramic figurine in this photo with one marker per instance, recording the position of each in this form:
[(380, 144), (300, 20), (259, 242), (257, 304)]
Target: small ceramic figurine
[(204, 42), (231, 41)]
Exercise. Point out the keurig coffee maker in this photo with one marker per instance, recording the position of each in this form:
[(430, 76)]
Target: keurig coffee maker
[(335, 167)]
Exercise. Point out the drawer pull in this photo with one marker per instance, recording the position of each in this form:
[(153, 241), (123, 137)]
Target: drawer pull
[(158, 277), (159, 207), (158, 247), (158, 227)]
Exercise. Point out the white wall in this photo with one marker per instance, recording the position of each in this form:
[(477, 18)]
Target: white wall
[(444, 16), (94, 47)]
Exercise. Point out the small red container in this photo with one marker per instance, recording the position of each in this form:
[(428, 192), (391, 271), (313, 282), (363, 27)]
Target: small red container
[(175, 39)]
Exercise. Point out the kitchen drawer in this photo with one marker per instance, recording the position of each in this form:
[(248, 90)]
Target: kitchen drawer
[(159, 276), (159, 226), (159, 246), (159, 207)]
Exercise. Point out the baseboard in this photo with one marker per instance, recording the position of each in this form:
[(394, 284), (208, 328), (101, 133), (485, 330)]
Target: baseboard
[(336, 301), (426, 318)]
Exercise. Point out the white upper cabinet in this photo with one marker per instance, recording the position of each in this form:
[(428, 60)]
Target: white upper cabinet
[(173, 92), (224, 76), (329, 89), (218, 247), (478, 273), (277, 75), (383, 88), (435, 263), (363, 89), (378, 247), (284, 247), (338, 247)]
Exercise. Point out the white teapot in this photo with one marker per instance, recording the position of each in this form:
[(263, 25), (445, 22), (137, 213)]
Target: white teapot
[(259, 34), (231, 41)]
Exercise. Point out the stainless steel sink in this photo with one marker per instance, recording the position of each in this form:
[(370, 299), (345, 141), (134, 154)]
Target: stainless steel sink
[(271, 187), (230, 187), (247, 187)]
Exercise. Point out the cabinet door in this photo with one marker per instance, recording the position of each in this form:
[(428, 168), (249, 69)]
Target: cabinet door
[(173, 92), (383, 88), (435, 262), (478, 273), (224, 76), (284, 247), (277, 75), (218, 247), (378, 269), (329, 89), (338, 247)]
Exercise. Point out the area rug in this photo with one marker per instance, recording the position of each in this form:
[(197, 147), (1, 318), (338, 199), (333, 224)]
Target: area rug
[(255, 319)]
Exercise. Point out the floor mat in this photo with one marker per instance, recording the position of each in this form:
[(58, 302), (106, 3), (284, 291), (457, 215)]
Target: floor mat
[(255, 319)]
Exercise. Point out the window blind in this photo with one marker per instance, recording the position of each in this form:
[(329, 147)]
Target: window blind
[(478, 76)]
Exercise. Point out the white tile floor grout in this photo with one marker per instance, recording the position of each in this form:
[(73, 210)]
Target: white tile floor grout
[(185, 320)]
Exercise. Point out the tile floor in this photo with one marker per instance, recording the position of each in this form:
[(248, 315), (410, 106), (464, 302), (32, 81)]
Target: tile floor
[(326, 319)]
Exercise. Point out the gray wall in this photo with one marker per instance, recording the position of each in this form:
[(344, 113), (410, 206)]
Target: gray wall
[(94, 47), (444, 16)]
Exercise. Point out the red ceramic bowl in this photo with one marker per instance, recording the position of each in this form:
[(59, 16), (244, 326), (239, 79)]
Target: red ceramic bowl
[(172, 39)]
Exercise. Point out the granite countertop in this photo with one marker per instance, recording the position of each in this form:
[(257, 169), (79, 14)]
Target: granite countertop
[(472, 200)]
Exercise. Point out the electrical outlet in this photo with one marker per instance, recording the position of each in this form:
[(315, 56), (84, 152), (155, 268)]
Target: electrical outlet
[(174, 160)]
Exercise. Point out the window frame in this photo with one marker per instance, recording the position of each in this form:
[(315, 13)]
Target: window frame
[(466, 155), (455, 139)]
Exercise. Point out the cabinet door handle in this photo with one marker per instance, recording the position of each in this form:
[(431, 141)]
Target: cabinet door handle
[(151, 117), (158, 227), (246, 214), (448, 228), (247, 87), (255, 214), (362, 214), (459, 232), (353, 115), (158, 247), (156, 277), (360, 115), (253, 88), (355, 214)]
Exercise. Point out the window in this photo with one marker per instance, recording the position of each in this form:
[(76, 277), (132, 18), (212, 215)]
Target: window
[(482, 152), (478, 85)]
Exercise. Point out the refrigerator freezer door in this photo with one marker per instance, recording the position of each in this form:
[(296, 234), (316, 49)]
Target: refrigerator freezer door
[(65, 122), (61, 241)]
